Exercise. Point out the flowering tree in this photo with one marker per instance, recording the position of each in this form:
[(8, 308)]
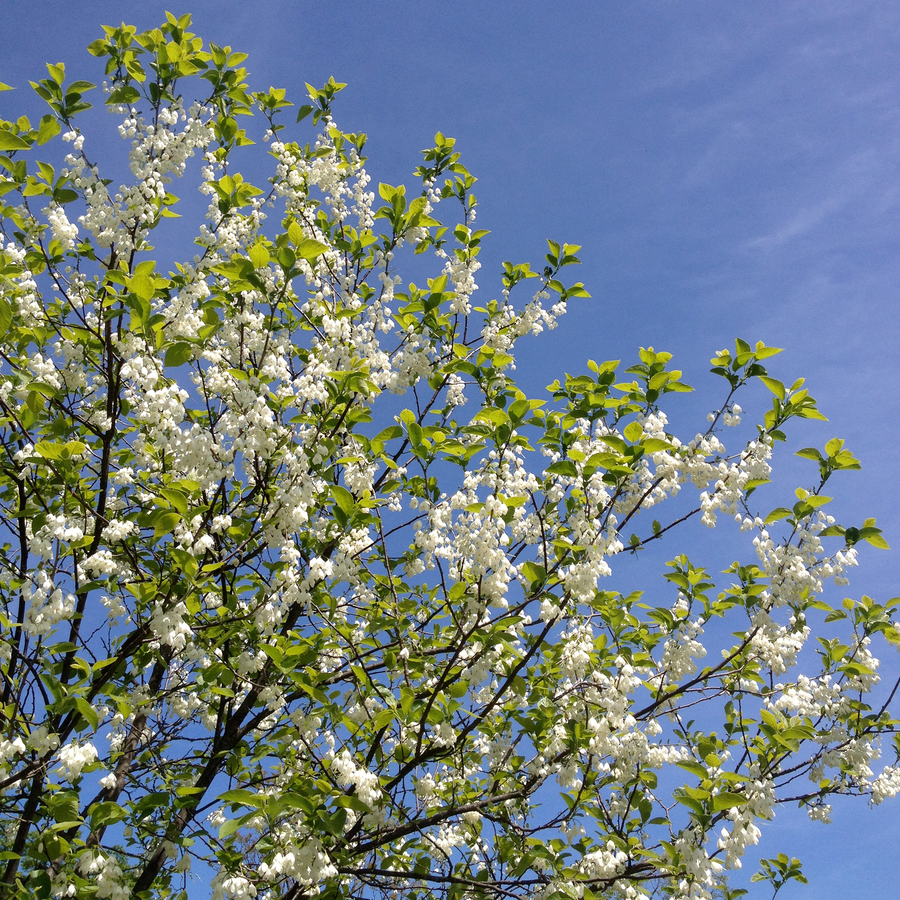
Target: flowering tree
[(303, 595)]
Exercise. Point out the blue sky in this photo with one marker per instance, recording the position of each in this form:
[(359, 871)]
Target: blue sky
[(729, 168)]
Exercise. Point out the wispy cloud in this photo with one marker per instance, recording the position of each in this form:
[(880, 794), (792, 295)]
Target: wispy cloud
[(799, 223)]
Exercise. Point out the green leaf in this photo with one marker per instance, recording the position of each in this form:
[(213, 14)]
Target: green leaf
[(259, 256), (106, 813), (295, 233), (780, 513), (392, 432), (241, 797), (534, 573), (333, 822), (655, 445), (633, 432), (142, 285), (63, 806), (178, 354), (88, 713), (728, 800), (57, 72), (690, 802), (694, 768), (343, 498), (48, 129), (292, 800), (846, 460), (493, 415), (562, 467), (659, 381), (5, 316), (232, 825), (39, 883), (10, 141), (774, 385), (164, 523), (177, 500), (49, 450), (310, 250), (46, 170), (151, 801)]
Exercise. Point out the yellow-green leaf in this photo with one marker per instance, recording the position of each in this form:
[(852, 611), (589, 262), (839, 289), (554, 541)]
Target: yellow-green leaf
[(310, 249), (10, 141), (774, 385), (5, 316), (142, 285), (259, 256), (727, 800), (49, 450), (165, 523), (178, 354)]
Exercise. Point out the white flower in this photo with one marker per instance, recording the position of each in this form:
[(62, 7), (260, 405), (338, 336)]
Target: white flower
[(74, 757)]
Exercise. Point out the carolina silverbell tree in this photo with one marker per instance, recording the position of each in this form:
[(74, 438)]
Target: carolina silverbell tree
[(302, 595)]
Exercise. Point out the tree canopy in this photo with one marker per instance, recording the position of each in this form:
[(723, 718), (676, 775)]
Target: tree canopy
[(303, 595)]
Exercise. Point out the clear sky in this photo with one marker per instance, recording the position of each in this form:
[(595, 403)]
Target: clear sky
[(729, 168)]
